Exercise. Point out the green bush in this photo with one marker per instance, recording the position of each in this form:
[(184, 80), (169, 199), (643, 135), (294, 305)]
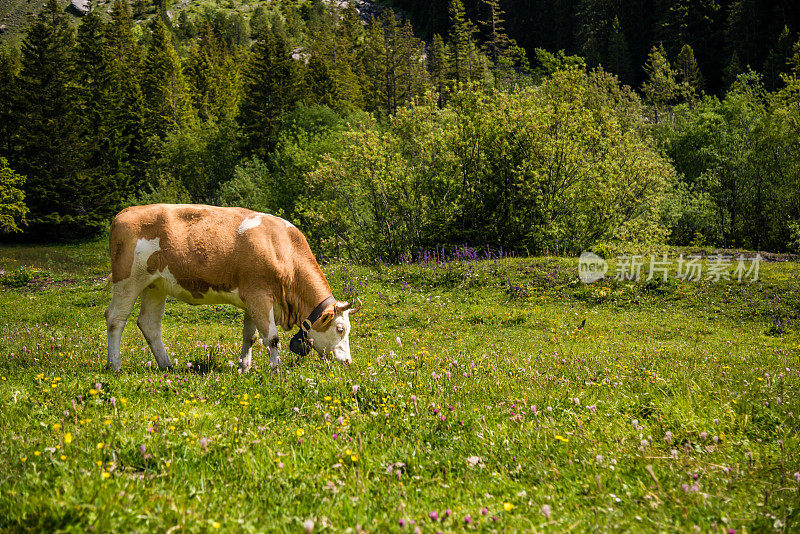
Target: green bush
[(248, 186), (168, 190), (18, 277), (552, 169)]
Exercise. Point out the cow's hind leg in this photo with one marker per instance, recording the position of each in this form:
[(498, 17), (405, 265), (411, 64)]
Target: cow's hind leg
[(262, 312), (149, 323), (122, 300), (249, 337)]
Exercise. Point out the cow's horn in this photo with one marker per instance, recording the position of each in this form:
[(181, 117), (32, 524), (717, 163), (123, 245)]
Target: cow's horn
[(355, 310), (340, 307)]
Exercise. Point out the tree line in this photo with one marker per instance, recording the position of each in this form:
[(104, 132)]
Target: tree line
[(728, 36), (379, 144), (101, 117)]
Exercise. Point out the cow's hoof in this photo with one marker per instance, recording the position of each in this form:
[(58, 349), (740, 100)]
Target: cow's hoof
[(113, 368)]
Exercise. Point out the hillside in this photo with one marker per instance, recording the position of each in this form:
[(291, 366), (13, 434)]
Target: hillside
[(16, 16)]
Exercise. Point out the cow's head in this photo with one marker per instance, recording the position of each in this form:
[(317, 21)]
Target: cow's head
[(331, 334)]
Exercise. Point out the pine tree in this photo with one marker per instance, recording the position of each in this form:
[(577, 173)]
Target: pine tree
[(460, 44), (438, 64), (414, 74), (12, 199), (776, 62), (508, 61), (660, 88), (318, 82), (214, 76), (793, 62), (8, 75), (270, 85), (733, 70), (165, 90), (619, 59), (350, 34), (63, 195), (140, 7), (392, 58), (497, 41), (126, 146), (395, 64), (92, 84), (375, 70), (594, 19), (687, 75), (743, 31), (94, 108), (48, 150), (259, 23), (120, 40), (336, 55)]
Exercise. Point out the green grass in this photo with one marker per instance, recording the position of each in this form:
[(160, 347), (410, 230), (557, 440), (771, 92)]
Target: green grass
[(702, 368)]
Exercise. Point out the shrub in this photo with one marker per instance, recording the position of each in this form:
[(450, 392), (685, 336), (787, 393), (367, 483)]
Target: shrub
[(18, 277), (555, 169)]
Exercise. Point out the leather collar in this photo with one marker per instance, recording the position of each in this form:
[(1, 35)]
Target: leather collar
[(306, 325)]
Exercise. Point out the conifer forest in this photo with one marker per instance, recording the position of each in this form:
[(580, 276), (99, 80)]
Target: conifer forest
[(387, 129)]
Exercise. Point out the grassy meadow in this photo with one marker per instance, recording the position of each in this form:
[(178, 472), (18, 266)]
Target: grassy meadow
[(485, 395)]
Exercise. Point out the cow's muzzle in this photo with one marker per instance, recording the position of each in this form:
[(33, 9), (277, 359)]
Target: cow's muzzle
[(300, 343)]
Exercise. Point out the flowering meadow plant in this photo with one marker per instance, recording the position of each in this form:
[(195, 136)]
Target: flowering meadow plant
[(468, 407)]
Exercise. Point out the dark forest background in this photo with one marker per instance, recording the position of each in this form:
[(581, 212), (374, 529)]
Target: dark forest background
[(539, 127), (727, 36)]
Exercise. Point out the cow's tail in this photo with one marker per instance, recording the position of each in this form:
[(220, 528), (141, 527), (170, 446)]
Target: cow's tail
[(109, 280)]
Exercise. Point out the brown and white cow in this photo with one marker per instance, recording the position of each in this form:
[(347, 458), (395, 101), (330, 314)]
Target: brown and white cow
[(212, 255)]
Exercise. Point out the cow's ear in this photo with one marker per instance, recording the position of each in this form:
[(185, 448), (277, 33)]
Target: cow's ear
[(326, 319)]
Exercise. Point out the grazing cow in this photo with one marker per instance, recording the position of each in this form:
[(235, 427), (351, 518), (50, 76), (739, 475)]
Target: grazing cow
[(211, 255)]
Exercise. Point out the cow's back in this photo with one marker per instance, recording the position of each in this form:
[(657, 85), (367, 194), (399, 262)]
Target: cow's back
[(202, 248)]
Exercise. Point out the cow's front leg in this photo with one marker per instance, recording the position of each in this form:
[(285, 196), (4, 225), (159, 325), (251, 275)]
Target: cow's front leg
[(274, 351), (262, 312), (272, 340), (248, 338)]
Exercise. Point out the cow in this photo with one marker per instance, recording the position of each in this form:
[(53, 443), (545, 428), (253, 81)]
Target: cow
[(212, 255)]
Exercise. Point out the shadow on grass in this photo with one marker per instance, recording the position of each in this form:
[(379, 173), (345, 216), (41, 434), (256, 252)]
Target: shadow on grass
[(204, 366)]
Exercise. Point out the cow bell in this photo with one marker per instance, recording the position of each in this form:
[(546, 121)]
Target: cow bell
[(300, 343)]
